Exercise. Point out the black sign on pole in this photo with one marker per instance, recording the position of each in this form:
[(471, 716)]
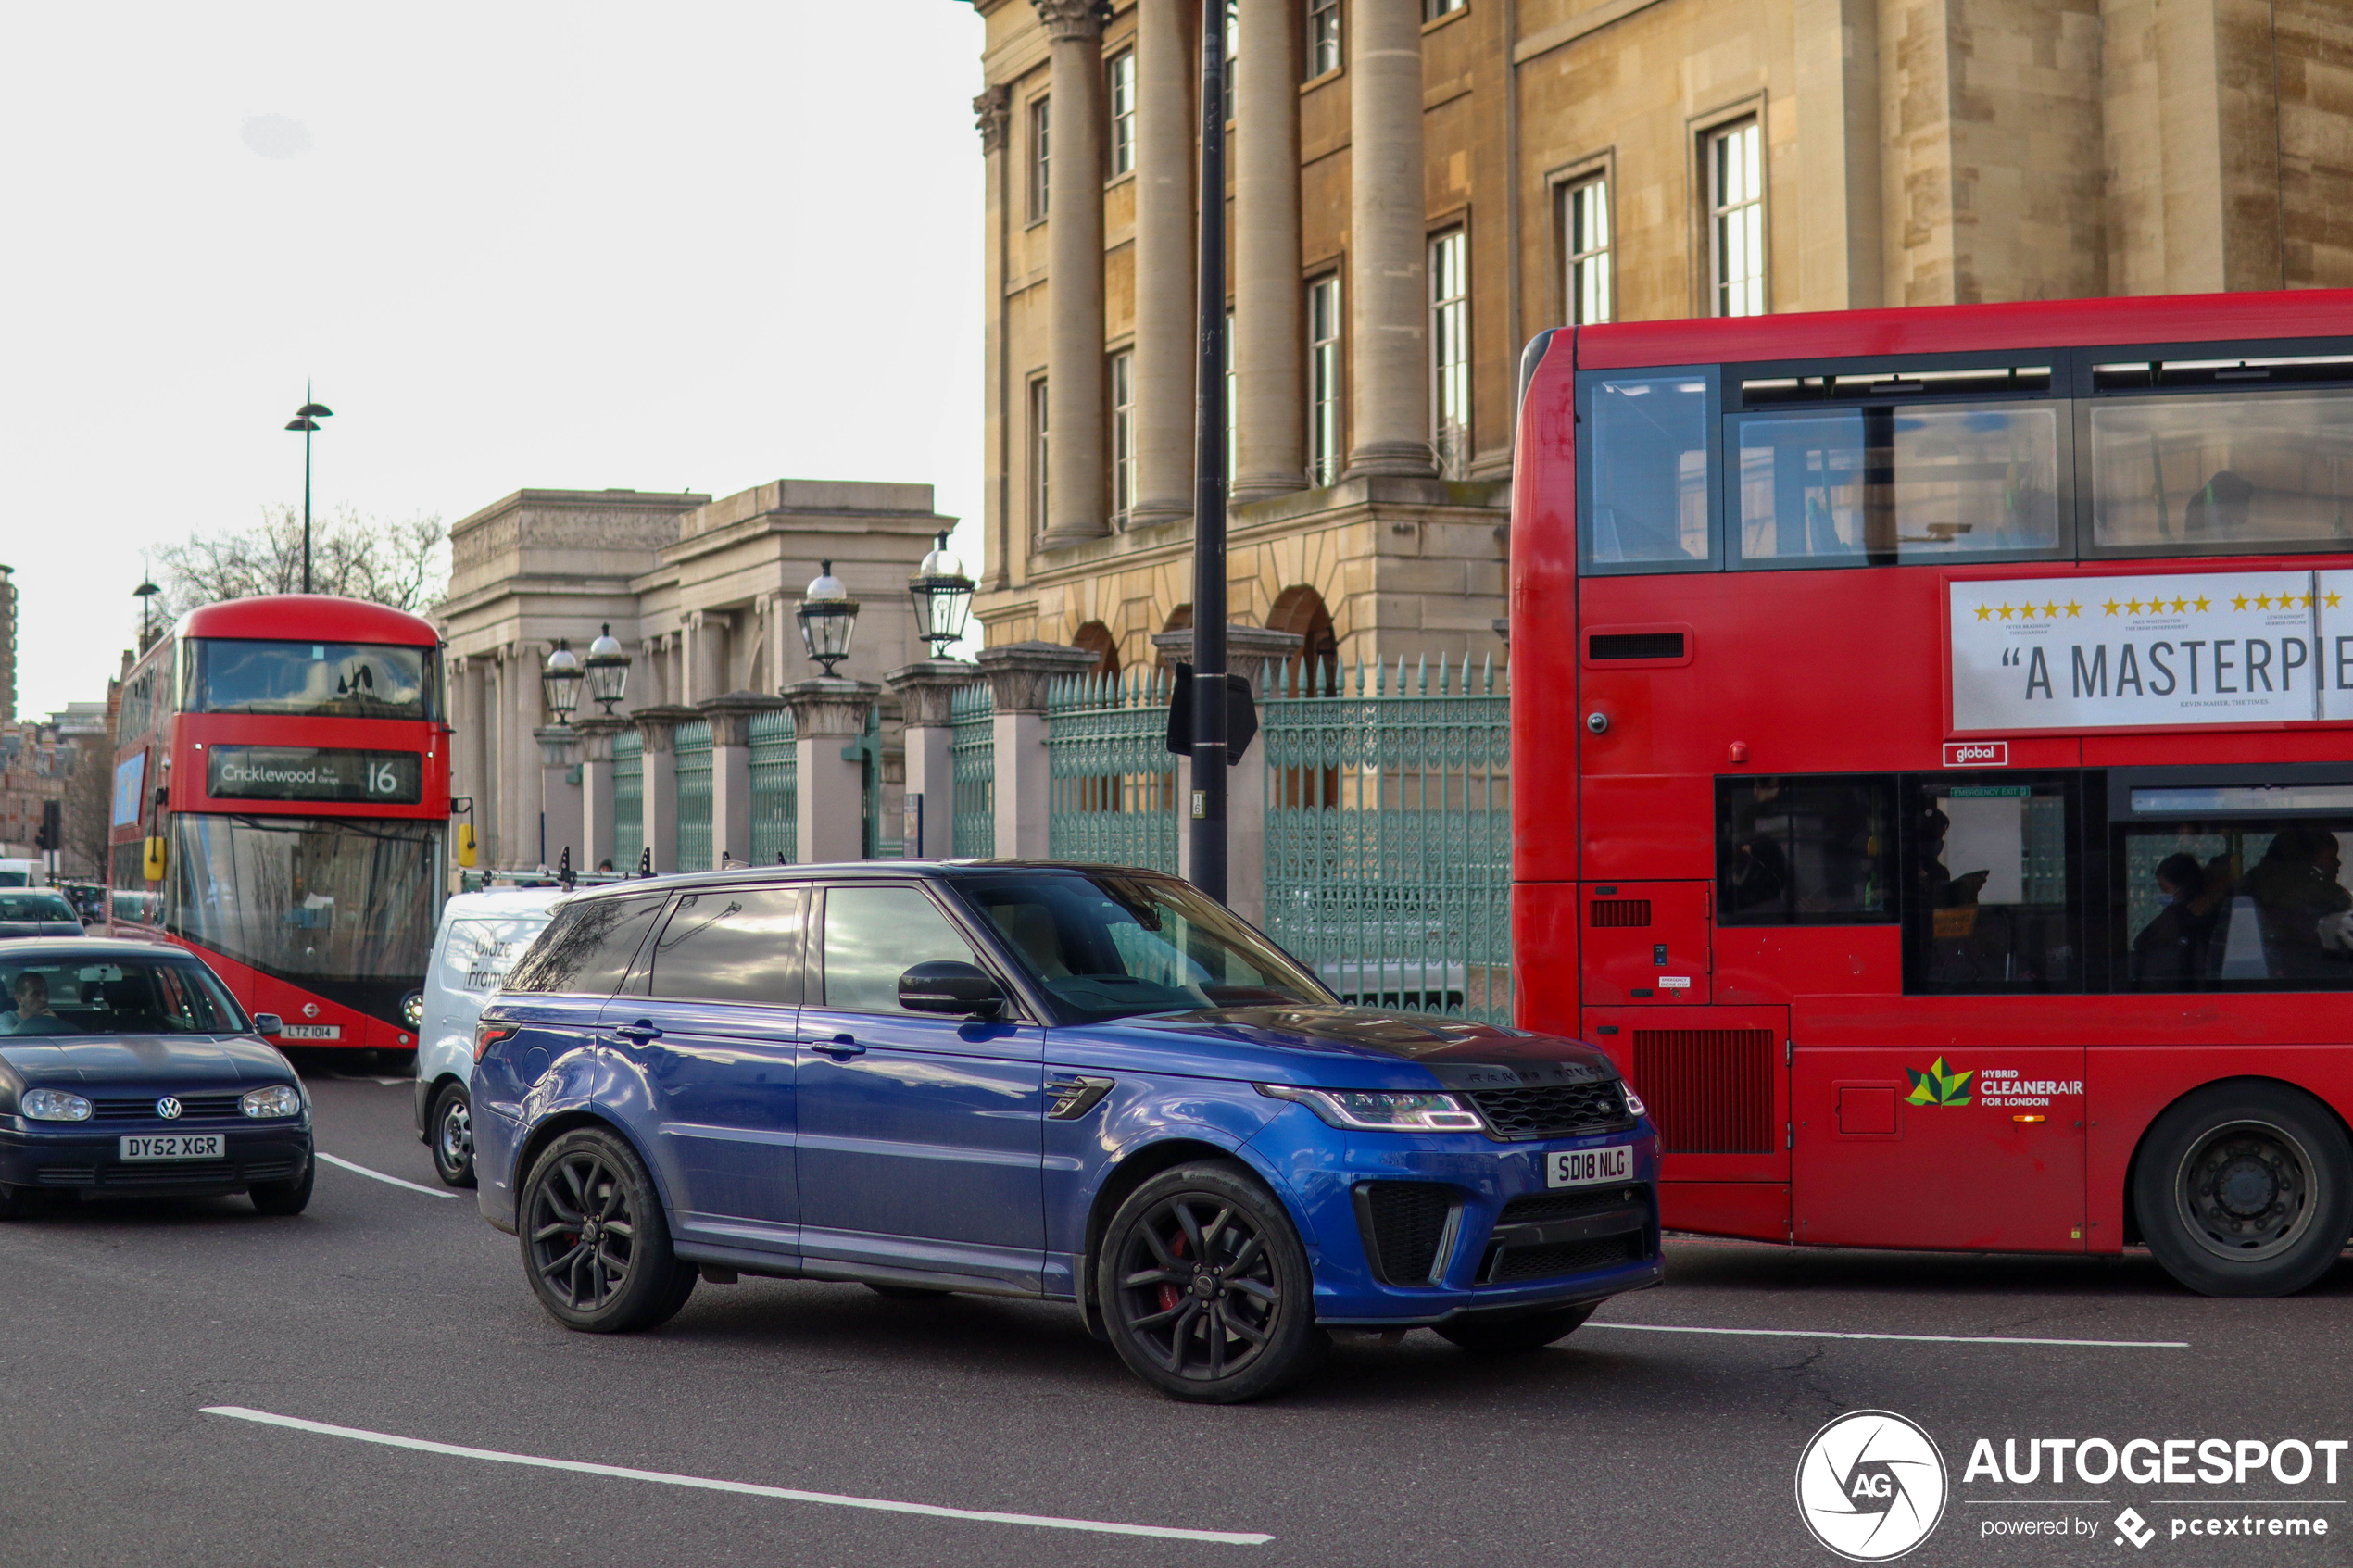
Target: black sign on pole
[(1207, 807), (1241, 715)]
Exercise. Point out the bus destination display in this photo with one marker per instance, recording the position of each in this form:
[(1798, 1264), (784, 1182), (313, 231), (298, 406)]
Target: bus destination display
[(297, 773)]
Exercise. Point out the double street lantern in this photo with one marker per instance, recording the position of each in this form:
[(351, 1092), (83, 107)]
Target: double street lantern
[(943, 597), (608, 670), (827, 616), (307, 419), (560, 679)]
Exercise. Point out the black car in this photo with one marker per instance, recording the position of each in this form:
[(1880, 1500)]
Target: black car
[(37, 911), (128, 1070)]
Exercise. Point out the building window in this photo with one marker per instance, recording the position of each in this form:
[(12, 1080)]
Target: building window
[(1433, 9), (1233, 406), (1039, 114), (1233, 44), (1038, 455), (1736, 213), (1585, 228), (1122, 73), (1323, 381), (1449, 351), (1122, 437), (1323, 37)]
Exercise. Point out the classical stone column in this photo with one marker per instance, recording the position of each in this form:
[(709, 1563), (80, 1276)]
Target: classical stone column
[(470, 748), (661, 781), (559, 802), (924, 691), (731, 719), (1018, 674), (1003, 411), (1074, 483), (1270, 455), (518, 761), (1248, 649), (596, 790), (829, 713), (1388, 267), (1164, 302)]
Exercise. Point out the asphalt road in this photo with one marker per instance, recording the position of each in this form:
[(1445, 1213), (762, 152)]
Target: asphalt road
[(389, 1311)]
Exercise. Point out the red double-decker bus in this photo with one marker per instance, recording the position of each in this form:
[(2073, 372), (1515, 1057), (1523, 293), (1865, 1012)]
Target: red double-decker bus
[(281, 802), (1933, 767)]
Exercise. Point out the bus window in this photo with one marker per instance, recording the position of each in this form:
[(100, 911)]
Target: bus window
[(1989, 896), (1913, 482), (2221, 472), (1804, 851), (2235, 905), (345, 680), (1649, 500)]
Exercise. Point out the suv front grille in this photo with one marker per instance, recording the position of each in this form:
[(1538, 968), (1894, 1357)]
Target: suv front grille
[(1569, 1111), (1517, 1265), (1404, 1225), (1541, 1206), (193, 1108)]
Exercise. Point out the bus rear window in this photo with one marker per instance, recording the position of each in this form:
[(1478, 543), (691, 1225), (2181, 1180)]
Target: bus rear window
[(1990, 896), (1804, 851), (2236, 905), (341, 680), (2221, 472), (1649, 506)]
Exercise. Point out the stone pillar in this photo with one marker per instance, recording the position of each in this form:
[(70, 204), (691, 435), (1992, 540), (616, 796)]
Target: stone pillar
[(731, 719), (705, 642), (1017, 675), (471, 746), (596, 791), (925, 690), (1248, 650), (1003, 409), (656, 724), (1270, 455), (518, 761), (1387, 263), (1074, 483), (828, 715), (1166, 306), (559, 802)]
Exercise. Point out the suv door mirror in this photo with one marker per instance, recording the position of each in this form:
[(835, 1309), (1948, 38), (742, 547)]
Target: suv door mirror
[(268, 1024), (949, 985)]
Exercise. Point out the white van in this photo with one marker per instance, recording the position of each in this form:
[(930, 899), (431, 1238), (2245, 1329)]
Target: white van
[(482, 936)]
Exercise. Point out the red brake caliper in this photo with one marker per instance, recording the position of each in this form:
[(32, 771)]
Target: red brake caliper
[(1169, 1293)]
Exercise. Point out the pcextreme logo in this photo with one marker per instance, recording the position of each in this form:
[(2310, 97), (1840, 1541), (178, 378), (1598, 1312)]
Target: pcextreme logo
[(1871, 1485), (1940, 1085)]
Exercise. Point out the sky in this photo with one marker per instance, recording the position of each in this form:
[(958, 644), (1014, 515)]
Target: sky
[(689, 247)]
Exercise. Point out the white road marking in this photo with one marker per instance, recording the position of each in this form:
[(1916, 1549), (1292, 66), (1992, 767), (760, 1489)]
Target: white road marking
[(379, 1175), (1047, 1522), (391, 1082), (1915, 1339)]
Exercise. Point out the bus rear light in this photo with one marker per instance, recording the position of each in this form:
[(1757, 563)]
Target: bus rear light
[(489, 1035), (2030, 1118)]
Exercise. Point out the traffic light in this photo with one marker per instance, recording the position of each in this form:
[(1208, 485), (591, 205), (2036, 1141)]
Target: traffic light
[(52, 827)]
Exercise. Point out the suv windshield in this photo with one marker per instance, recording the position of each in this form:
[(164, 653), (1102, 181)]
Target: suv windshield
[(1108, 944), (109, 995)]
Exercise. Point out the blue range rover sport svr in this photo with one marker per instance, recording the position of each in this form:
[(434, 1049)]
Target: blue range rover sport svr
[(1078, 1083)]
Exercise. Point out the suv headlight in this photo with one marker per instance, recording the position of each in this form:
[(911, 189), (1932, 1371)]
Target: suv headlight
[(54, 1105), (1634, 1106), (278, 1099), (1370, 1110)]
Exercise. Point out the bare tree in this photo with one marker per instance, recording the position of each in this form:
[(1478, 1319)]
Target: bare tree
[(403, 563), (89, 805)]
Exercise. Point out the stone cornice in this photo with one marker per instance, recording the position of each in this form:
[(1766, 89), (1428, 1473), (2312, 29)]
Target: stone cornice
[(1071, 20), (924, 689), (830, 706), (656, 722), (1018, 673), (991, 109), (1248, 648), (731, 714)]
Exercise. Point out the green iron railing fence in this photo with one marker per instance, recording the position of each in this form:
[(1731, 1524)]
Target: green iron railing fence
[(776, 789), (691, 744), (1389, 834), (973, 754), (628, 800), (1111, 790)]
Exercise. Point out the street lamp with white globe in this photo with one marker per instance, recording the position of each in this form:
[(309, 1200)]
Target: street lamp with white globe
[(608, 670), (943, 597), (828, 616), (560, 679)]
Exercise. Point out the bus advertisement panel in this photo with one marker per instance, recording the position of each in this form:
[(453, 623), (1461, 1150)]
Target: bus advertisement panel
[(1934, 766), (288, 755)]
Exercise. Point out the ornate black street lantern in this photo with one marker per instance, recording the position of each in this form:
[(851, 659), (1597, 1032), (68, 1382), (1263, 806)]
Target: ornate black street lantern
[(561, 680), (608, 670), (827, 616), (943, 597)]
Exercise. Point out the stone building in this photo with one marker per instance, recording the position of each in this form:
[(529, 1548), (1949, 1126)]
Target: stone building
[(1415, 187), (700, 594)]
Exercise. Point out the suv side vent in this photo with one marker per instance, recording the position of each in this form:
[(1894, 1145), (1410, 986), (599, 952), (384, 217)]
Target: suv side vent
[(1620, 911), (1408, 1228)]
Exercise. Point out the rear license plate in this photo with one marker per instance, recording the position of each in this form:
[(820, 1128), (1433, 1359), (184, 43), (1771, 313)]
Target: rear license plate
[(1586, 1167), (312, 1031), (173, 1146)]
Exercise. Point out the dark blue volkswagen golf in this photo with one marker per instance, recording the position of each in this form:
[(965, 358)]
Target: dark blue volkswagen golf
[(1077, 1083)]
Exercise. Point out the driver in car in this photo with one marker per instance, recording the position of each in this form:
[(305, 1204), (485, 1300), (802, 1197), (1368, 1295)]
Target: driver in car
[(33, 1015)]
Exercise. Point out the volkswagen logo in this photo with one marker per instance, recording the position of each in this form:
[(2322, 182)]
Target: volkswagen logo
[(1871, 1485), (167, 1108)]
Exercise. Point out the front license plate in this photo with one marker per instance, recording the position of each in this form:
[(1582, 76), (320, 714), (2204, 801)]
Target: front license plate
[(312, 1031), (173, 1146), (1585, 1167)]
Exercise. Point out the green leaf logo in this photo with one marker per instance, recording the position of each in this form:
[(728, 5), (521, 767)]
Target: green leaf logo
[(1940, 1085)]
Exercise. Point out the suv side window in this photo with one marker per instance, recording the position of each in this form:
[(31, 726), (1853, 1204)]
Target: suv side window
[(733, 945), (874, 935), (587, 947)]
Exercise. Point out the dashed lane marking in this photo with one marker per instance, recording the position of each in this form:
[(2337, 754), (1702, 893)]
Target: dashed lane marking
[(1911, 1339), (379, 1176), (980, 1517)]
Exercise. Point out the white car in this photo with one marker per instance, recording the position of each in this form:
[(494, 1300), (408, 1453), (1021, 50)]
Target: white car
[(482, 936)]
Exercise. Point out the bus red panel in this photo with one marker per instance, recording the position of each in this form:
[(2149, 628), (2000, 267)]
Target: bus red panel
[(1545, 720), (1647, 943), (1773, 963), (1545, 917), (1758, 1210)]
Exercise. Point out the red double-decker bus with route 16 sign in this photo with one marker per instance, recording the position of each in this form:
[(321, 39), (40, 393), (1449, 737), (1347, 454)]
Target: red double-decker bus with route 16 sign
[(289, 753), (1933, 766)]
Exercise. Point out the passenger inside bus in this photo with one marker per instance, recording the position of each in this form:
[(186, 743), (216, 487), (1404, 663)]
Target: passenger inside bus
[(2169, 953), (2299, 903), (2219, 508)]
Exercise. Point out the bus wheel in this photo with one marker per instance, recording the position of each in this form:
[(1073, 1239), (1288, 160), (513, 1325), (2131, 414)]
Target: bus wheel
[(2246, 1189)]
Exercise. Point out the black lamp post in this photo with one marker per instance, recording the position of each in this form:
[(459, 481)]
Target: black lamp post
[(145, 594), (307, 419), (608, 669), (827, 616), (560, 679), (943, 597)]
